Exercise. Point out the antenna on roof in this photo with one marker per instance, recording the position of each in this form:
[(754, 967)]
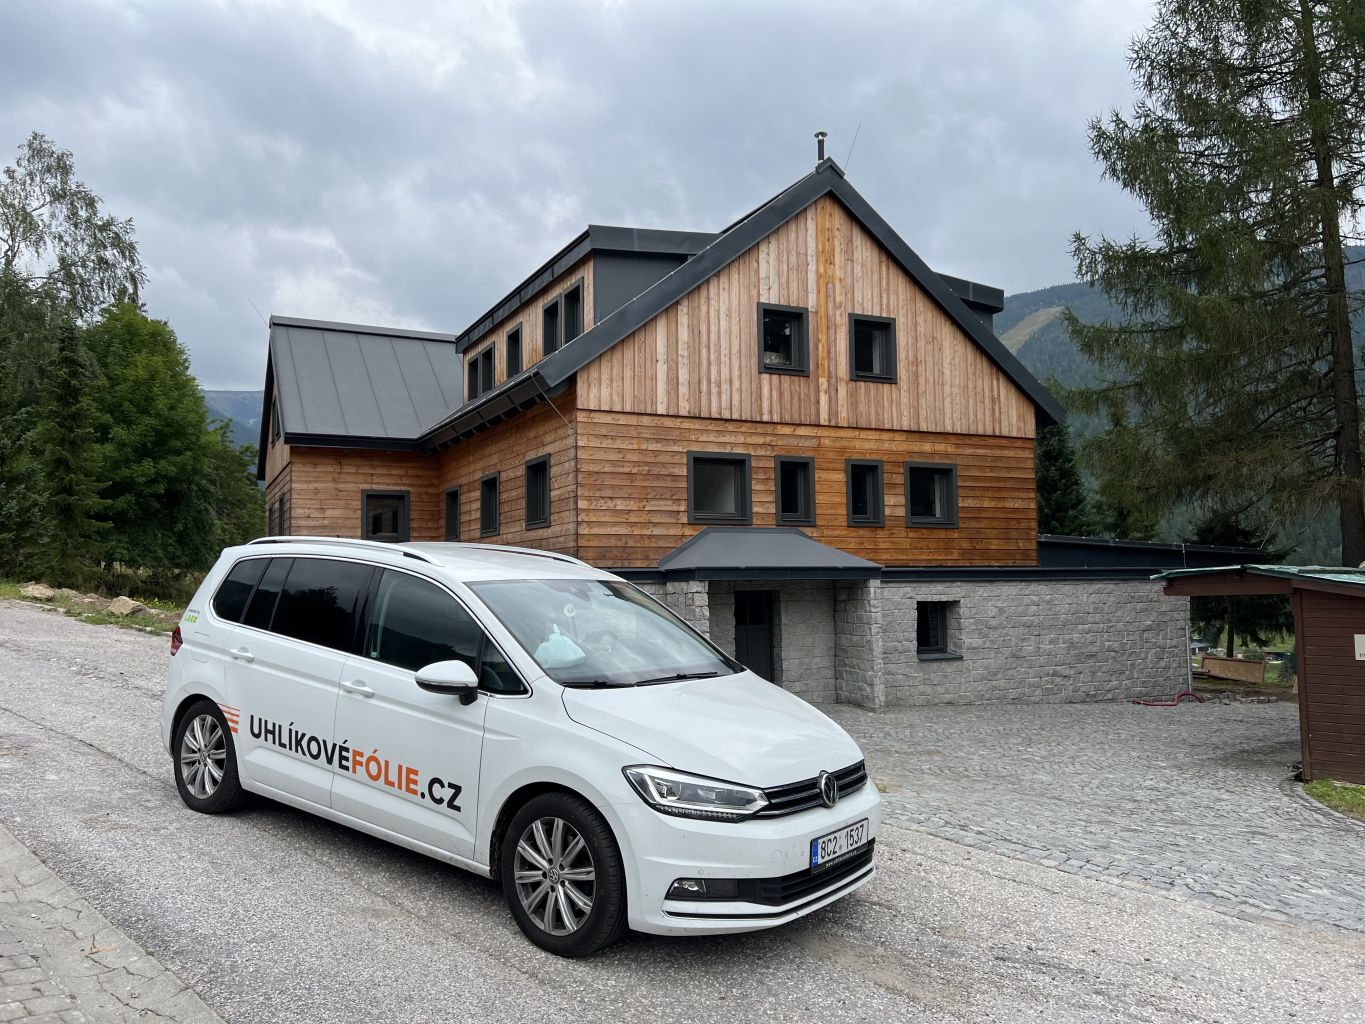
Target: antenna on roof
[(258, 312), (820, 146)]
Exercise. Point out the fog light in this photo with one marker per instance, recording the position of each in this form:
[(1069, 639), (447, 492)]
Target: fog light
[(704, 889)]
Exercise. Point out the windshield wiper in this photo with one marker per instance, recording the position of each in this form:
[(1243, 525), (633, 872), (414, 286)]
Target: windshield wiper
[(677, 677), (591, 684)]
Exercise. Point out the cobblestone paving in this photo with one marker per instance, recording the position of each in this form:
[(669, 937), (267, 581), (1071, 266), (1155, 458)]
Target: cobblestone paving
[(61, 962), (1191, 802)]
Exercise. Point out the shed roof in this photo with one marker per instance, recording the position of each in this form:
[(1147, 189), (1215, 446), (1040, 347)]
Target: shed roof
[(1263, 579), (762, 552)]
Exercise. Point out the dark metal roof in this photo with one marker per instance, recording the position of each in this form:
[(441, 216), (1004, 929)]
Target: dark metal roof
[(762, 552), (354, 385), (1063, 552), (1336, 579)]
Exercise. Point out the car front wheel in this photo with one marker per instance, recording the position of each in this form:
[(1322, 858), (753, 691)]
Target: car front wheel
[(206, 760)]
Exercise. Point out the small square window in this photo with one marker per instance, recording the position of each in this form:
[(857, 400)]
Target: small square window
[(864, 482), (717, 488), (795, 491), (930, 494), (488, 505), (931, 627), (573, 313), (550, 326), (384, 515), (872, 348), (782, 343), (538, 492), (513, 357), (452, 525)]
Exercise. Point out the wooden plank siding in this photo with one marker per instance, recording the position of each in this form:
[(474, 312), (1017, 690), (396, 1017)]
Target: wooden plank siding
[(326, 485), (632, 478), (1331, 685), (700, 358), (529, 316), (280, 484), (547, 429)]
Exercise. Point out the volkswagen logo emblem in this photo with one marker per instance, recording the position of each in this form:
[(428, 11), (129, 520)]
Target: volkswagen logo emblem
[(829, 789)]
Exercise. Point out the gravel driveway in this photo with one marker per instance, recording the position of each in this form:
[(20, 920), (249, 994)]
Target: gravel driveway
[(273, 915)]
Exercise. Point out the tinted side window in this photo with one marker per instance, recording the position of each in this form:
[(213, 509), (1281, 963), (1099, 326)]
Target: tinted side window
[(495, 675), (235, 591), (262, 606), (319, 601), (415, 623)]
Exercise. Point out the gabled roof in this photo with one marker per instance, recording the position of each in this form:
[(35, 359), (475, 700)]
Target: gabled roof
[(762, 552), (554, 371), (355, 386)]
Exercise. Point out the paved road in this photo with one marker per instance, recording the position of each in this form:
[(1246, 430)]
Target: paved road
[(1191, 801), (272, 915)]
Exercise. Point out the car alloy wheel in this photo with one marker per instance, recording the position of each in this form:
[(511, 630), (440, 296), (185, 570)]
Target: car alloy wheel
[(203, 756), (554, 875)]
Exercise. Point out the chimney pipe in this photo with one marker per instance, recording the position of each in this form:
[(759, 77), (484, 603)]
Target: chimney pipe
[(820, 146)]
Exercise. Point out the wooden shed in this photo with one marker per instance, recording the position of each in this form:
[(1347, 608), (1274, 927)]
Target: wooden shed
[(1329, 638)]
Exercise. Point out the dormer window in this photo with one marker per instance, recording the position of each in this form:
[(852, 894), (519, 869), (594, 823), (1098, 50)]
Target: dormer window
[(782, 341), (572, 312)]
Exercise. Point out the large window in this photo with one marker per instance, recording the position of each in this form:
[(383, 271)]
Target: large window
[(717, 488), (513, 355), (872, 348), (479, 374), (782, 342), (538, 492), (930, 494), (319, 600), (550, 327), (488, 505), (384, 515), (573, 312), (795, 491), (864, 483), (452, 524), (416, 623)]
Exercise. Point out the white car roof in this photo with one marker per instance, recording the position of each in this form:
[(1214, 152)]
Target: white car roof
[(465, 562)]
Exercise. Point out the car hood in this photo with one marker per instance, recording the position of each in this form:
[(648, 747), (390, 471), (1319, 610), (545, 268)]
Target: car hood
[(737, 728)]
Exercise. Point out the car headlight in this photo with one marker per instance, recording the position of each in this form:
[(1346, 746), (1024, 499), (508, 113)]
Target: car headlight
[(694, 796)]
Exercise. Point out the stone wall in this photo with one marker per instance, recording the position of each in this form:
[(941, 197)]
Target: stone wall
[(1037, 641), (804, 634)]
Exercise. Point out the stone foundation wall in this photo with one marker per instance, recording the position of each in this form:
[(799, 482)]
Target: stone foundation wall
[(804, 634), (1037, 641)]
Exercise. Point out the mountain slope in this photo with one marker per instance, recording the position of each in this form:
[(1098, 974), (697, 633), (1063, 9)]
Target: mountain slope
[(241, 408)]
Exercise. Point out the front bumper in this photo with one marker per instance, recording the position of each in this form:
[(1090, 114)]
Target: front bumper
[(775, 850)]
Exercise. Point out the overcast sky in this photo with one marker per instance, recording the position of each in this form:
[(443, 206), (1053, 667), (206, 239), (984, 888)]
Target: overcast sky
[(408, 163)]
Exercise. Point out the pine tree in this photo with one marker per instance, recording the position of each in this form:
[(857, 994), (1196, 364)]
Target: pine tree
[(1231, 377), (1254, 619), (1063, 505)]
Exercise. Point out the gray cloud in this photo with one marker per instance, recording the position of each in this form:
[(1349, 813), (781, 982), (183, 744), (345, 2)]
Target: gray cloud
[(407, 163)]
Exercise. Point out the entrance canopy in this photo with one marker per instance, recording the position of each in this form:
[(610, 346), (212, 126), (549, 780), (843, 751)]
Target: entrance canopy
[(762, 553)]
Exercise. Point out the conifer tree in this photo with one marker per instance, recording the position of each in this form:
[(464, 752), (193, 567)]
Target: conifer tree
[(1063, 505)]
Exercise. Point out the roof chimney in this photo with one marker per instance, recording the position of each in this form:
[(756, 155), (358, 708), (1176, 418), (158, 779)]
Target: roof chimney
[(820, 146)]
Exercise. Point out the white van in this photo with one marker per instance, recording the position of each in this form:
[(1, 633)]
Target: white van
[(522, 715)]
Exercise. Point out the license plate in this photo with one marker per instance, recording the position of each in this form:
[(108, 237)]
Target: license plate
[(827, 849)]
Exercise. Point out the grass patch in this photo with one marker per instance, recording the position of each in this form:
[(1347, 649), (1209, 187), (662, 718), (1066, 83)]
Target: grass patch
[(161, 616), (1339, 796)]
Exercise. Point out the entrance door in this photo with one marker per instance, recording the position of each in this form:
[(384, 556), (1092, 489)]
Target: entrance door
[(754, 631)]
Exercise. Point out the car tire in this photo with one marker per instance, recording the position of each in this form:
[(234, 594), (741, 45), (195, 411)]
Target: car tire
[(206, 760), (562, 876)]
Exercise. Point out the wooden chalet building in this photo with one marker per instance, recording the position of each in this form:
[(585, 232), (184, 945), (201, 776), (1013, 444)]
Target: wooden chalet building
[(793, 431)]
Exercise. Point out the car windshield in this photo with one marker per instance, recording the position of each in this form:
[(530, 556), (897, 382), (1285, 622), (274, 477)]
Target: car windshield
[(600, 633)]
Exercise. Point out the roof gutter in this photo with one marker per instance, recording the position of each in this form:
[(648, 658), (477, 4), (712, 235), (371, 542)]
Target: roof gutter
[(522, 392)]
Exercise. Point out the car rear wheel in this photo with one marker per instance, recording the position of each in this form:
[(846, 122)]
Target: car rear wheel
[(206, 760), (562, 876)]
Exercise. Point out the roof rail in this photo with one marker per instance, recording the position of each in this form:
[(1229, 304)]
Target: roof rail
[(535, 552), (377, 545)]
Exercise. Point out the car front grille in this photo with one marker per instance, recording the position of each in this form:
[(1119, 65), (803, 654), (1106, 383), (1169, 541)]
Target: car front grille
[(778, 892), (802, 796)]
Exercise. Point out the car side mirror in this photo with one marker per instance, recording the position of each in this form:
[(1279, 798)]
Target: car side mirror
[(455, 678)]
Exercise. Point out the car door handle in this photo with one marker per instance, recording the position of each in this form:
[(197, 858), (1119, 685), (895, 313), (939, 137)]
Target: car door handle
[(242, 654), (358, 688)]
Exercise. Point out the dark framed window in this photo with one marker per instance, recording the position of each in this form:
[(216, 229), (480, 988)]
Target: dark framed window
[(573, 312), (235, 591), (272, 519), (513, 354), (931, 627), (717, 488), (872, 348), (384, 515), (274, 420), (795, 486), (486, 370), (319, 600), (538, 491), (551, 324), (783, 345), (488, 505), (930, 494), (479, 374), (452, 524), (863, 480), (283, 524)]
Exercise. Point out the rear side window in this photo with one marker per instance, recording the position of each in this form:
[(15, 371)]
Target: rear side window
[(416, 623), (235, 591), (319, 601), (262, 606)]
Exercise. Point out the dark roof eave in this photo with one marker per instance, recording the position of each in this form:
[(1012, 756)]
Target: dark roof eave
[(392, 444), (506, 400)]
